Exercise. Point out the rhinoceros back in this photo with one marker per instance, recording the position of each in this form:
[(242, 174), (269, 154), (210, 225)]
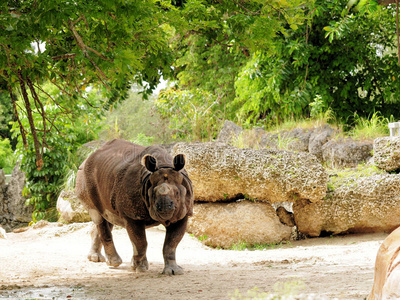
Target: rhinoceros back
[(101, 171)]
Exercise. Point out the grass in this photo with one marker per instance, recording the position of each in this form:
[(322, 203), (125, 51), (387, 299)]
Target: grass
[(363, 129), (304, 123), (370, 128)]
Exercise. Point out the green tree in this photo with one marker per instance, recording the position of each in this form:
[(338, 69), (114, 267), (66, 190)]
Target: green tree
[(6, 115), (53, 53), (217, 40), (44, 184), (341, 56), (74, 45), (134, 120)]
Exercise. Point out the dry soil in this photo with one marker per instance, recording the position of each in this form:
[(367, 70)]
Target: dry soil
[(50, 263)]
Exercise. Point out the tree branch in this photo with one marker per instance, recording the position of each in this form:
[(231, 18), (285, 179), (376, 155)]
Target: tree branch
[(21, 127), (84, 49), (64, 56), (247, 10), (43, 112), (39, 158)]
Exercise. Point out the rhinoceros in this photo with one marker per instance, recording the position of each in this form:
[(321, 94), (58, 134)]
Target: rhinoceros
[(135, 187)]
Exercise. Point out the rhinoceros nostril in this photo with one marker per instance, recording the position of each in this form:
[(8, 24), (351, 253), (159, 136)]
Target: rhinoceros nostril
[(164, 206)]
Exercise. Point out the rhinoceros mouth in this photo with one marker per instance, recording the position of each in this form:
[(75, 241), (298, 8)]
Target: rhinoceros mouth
[(164, 216), (161, 217)]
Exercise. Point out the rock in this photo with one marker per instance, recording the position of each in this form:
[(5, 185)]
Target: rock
[(40, 224), (70, 208), (299, 139), (229, 133), (318, 138), (356, 205), (387, 269), (4, 213), (285, 217), (226, 224), (3, 234), (168, 147), (294, 140), (13, 211), (221, 173), (387, 153), (346, 153), (269, 141), (16, 202)]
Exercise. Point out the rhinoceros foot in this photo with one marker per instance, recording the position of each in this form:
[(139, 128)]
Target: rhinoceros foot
[(140, 266), (173, 269), (96, 257), (114, 261)]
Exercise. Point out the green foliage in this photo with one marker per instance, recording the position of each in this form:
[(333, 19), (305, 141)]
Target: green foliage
[(203, 237), (343, 67), (264, 91), (6, 116), (7, 158), (44, 184), (143, 139), (137, 120), (326, 59), (370, 128), (193, 114), (86, 42), (53, 53), (241, 246), (212, 47)]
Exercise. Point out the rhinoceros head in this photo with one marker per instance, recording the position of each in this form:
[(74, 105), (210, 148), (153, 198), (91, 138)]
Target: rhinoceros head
[(168, 191)]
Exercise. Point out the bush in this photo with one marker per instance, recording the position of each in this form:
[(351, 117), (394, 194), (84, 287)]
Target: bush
[(7, 158)]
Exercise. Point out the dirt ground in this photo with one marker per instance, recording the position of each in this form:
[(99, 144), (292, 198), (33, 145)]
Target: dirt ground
[(50, 263)]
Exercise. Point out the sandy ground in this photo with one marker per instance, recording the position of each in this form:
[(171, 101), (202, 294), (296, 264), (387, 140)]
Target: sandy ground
[(50, 263)]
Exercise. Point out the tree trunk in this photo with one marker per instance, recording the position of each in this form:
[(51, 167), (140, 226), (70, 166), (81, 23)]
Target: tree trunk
[(39, 159)]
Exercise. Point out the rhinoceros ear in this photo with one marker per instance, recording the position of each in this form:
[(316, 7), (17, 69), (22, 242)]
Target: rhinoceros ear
[(179, 162), (150, 162)]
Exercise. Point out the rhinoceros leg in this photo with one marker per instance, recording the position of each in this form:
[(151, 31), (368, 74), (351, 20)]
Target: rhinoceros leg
[(102, 234), (137, 234), (95, 251), (174, 235), (104, 229)]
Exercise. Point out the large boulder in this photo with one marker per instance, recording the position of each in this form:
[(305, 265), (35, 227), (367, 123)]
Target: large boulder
[(3, 203), (298, 139), (318, 138), (346, 153), (226, 224), (387, 153), (229, 133), (221, 173), (13, 211), (354, 205), (71, 209)]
